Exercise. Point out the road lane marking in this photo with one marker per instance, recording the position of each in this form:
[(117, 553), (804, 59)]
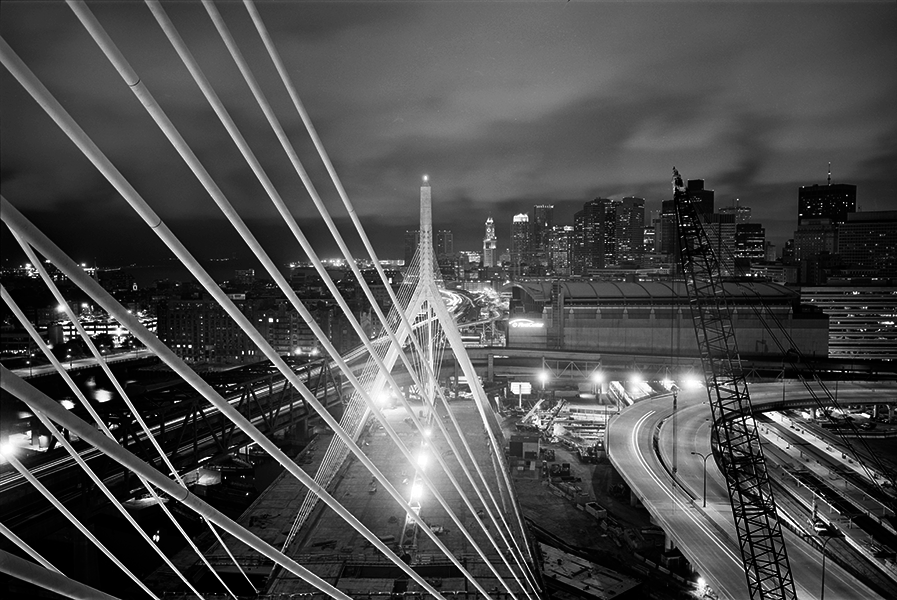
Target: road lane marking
[(685, 509)]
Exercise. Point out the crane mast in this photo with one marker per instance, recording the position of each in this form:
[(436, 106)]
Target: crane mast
[(736, 439)]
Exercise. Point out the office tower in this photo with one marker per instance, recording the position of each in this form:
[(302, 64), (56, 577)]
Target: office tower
[(412, 240), (832, 201), (560, 241), (521, 244), (593, 236), (444, 243), (742, 213), (750, 241), (649, 238), (771, 252), (701, 198), (867, 244), (721, 233), (669, 243), (656, 224), (489, 242), (543, 220), (629, 230)]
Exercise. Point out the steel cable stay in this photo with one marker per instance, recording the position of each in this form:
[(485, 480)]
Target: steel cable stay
[(290, 151), (76, 322), (38, 401), (98, 158), (26, 230), (476, 388), (281, 135), (156, 223), (35, 336), (22, 545), (24, 472), (140, 89)]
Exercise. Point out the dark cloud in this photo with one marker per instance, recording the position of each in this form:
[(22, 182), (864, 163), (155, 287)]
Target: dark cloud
[(504, 104)]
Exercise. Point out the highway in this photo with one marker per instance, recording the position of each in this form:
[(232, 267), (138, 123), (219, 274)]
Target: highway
[(707, 535)]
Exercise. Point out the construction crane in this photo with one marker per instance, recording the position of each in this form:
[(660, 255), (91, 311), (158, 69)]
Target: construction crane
[(734, 433)]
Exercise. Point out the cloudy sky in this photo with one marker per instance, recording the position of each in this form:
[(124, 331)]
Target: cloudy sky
[(503, 104)]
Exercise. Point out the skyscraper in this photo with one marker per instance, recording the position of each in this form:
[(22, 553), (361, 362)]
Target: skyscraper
[(489, 243), (669, 243), (742, 213), (750, 241), (560, 244), (543, 220), (445, 245), (521, 244), (629, 233), (701, 198), (593, 232), (867, 243), (831, 201)]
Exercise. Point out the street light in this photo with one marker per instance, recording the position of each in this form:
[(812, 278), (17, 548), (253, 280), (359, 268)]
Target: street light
[(597, 380), (826, 539), (543, 377), (705, 457)]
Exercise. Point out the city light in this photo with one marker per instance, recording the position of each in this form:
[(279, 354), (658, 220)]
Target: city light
[(635, 379), (428, 432), (422, 460), (598, 377), (67, 404), (667, 383), (690, 382), (416, 491), (7, 449), (543, 377)]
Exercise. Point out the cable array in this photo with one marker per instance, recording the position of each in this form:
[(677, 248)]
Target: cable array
[(418, 324)]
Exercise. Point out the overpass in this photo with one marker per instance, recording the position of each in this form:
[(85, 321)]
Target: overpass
[(647, 443)]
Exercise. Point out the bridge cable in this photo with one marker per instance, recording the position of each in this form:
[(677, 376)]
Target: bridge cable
[(160, 15), (18, 223), (195, 71), (38, 340), (23, 545), (30, 82), (48, 281), (314, 195), (288, 84), (24, 472), (38, 401)]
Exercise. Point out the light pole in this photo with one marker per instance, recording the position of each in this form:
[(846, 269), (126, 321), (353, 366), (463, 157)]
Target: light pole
[(597, 380), (705, 457), (543, 377), (825, 540), (675, 389)]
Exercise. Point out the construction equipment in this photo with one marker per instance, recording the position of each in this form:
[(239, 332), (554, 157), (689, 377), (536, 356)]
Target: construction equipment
[(734, 432)]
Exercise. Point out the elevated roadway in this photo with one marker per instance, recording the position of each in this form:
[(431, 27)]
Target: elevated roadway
[(646, 446)]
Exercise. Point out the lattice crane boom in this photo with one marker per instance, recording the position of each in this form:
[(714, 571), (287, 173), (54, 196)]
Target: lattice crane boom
[(737, 441)]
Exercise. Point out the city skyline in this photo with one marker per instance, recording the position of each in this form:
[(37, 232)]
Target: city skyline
[(506, 106)]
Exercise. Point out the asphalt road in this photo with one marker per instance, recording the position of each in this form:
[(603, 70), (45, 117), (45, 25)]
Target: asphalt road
[(705, 535)]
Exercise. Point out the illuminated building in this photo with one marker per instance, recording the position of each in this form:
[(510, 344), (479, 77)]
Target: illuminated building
[(831, 201), (489, 242), (653, 318), (867, 244), (521, 244), (629, 233), (861, 319)]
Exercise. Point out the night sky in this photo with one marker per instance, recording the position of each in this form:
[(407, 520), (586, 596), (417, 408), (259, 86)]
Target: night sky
[(503, 104)]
